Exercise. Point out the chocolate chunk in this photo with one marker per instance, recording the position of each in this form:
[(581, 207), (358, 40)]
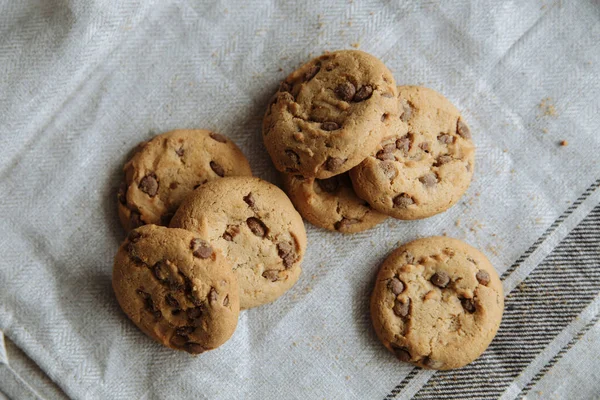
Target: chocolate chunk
[(161, 271), (329, 185), (387, 152), (171, 301), (149, 304), (201, 248), (180, 151), (218, 137), (122, 194), (483, 277), (314, 70), (166, 273), (185, 330), (426, 146), (445, 139), (406, 111), (286, 252), (345, 223), (330, 126), (271, 275), (257, 227), (213, 295), (134, 236), (441, 160), (193, 348), (403, 144), (249, 199), (401, 309), (295, 158), (345, 91), (217, 168), (429, 179), (402, 353), (384, 117), (468, 305), (463, 129), (135, 220), (403, 200), (173, 185), (194, 313), (334, 163), (178, 340), (231, 232), (396, 286), (285, 86), (440, 279), (149, 185), (363, 93)]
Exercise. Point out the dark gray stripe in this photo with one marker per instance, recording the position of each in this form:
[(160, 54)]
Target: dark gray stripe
[(402, 384), (539, 309)]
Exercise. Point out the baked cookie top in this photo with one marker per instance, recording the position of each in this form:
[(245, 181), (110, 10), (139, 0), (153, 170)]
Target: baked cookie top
[(331, 203), (177, 288), (170, 166), (425, 165), (257, 228), (327, 115), (437, 303)]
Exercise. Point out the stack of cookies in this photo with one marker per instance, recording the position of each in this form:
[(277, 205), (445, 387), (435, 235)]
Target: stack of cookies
[(353, 149), (233, 242)]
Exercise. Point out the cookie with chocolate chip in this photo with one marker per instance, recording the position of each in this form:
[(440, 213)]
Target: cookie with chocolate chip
[(437, 303), (329, 114), (170, 166), (177, 288), (425, 165), (256, 226), (331, 203)]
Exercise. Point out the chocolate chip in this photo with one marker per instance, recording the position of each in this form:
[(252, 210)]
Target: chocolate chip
[(468, 305), (403, 144), (218, 137), (161, 271), (345, 91), (441, 160), (180, 151), (429, 179), (249, 199), (286, 253), (425, 146), (149, 304), (226, 301), (185, 330), (135, 220), (201, 248), (387, 152), (483, 277), (149, 185), (401, 353), (122, 194), (445, 139), (193, 348), (383, 117), (314, 70), (330, 126), (406, 111), (178, 340), (271, 275), (134, 236), (157, 314), (440, 279), (257, 226), (171, 301), (295, 158), (396, 286), (400, 308), (173, 185), (194, 313), (217, 168), (403, 200), (345, 223), (463, 129), (329, 185), (231, 232), (212, 295), (285, 87), (363, 93), (334, 163)]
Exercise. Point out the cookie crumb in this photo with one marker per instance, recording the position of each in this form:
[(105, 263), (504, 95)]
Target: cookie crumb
[(356, 45), (564, 143), (547, 108)]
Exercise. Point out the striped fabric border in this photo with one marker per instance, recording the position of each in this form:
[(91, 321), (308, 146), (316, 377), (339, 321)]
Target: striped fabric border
[(538, 310)]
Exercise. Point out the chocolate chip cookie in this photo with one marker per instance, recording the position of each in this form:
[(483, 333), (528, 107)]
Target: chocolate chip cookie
[(331, 203), (437, 303), (425, 166), (177, 288), (169, 167), (328, 115), (258, 229)]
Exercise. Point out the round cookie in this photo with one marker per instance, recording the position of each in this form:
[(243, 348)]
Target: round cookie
[(327, 115), (258, 229), (176, 288), (331, 203), (425, 165), (437, 303), (169, 167)]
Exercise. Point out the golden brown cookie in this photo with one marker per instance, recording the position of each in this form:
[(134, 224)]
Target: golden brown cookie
[(437, 303), (331, 203), (425, 165), (328, 115), (169, 167), (258, 229), (177, 288)]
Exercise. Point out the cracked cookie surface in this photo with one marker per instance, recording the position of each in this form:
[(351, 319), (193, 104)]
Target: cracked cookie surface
[(257, 228), (169, 167), (331, 203), (426, 163), (177, 288), (437, 303), (328, 115)]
